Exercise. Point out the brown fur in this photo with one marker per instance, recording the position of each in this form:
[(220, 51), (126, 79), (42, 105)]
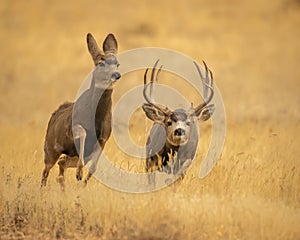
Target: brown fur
[(84, 125), (173, 139)]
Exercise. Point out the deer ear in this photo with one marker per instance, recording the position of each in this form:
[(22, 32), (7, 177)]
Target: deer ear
[(153, 113), (93, 48), (207, 112), (110, 44)]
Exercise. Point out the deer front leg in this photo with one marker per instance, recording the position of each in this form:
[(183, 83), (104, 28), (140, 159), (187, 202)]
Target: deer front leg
[(179, 175), (94, 157), (80, 133), (151, 168), (62, 160), (151, 177), (45, 174), (183, 168)]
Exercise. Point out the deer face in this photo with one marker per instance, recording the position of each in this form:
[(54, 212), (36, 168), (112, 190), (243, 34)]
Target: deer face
[(106, 64), (179, 123), (106, 72), (178, 126)]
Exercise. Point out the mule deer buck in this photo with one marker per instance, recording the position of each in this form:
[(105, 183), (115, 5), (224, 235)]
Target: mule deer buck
[(86, 123), (173, 139)]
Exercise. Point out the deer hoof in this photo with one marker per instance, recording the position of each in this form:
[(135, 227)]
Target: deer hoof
[(79, 174), (78, 177)]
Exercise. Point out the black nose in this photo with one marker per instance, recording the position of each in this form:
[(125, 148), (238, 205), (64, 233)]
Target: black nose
[(179, 132), (116, 75)]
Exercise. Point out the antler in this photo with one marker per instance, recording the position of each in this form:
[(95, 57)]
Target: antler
[(208, 89), (154, 78)]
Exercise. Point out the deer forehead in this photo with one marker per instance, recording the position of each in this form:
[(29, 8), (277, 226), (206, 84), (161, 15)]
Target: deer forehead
[(110, 59), (179, 115)]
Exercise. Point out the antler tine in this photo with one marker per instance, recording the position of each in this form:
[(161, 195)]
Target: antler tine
[(157, 74), (145, 87), (153, 78), (153, 71), (156, 80), (210, 82), (207, 82), (145, 76), (149, 99)]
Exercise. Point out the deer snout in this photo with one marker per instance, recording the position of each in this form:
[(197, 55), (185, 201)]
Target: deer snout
[(179, 132), (115, 76)]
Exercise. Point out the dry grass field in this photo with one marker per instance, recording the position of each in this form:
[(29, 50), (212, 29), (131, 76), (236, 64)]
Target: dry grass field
[(253, 49)]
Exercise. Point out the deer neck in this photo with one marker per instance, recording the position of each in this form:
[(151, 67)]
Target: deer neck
[(103, 103), (169, 145)]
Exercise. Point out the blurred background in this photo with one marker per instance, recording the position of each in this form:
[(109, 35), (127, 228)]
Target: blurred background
[(252, 48)]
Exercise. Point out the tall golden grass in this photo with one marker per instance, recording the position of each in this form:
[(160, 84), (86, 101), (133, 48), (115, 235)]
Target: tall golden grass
[(253, 50)]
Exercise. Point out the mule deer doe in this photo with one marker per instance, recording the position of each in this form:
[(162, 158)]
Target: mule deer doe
[(173, 139), (85, 123)]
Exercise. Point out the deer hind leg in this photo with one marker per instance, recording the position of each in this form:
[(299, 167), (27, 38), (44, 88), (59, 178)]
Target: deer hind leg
[(80, 133), (45, 173)]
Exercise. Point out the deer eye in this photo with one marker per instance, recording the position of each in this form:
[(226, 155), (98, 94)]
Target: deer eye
[(101, 64), (188, 123), (169, 123)]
